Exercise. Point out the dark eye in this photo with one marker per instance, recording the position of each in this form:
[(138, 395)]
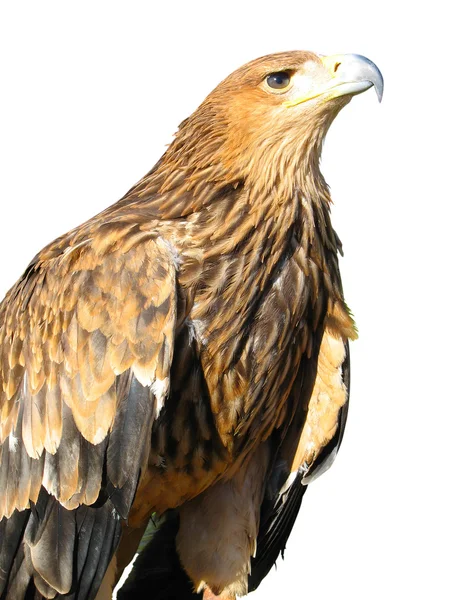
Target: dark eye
[(279, 80)]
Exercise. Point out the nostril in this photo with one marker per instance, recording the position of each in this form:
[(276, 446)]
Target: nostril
[(336, 66)]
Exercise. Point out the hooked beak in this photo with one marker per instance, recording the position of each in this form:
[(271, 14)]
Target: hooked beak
[(343, 75), (352, 74)]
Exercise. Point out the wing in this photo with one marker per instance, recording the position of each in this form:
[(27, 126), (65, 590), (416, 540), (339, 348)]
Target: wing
[(86, 340), (308, 450)]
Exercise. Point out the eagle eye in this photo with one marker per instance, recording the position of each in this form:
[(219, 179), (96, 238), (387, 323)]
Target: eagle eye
[(279, 80)]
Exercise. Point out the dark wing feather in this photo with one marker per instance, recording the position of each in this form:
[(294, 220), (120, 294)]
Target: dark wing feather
[(97, 538), (277, 520), (284, 496), (86, 342), (11, 533), (53, 543), (127, 445)]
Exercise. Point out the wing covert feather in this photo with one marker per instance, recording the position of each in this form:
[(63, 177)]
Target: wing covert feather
[(85, 315)]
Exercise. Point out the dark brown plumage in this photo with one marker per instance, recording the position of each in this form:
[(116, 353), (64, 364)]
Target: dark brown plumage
[(185, 349)]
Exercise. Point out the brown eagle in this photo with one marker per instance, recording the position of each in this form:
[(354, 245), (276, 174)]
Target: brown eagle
[(183, 355)]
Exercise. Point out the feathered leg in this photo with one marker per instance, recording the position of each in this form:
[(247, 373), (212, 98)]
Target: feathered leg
[(219, 528)]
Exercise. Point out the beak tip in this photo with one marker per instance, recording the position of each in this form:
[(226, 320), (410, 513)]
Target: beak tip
[(379, 86), (379, 92)]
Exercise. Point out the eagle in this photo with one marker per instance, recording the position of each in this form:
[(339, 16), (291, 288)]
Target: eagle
[(181, 359)]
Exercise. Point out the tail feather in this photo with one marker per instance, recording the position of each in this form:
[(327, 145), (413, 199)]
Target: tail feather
[(11, 533), (32, 540)]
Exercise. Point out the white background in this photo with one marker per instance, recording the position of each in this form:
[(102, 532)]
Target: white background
[(91, 92)]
